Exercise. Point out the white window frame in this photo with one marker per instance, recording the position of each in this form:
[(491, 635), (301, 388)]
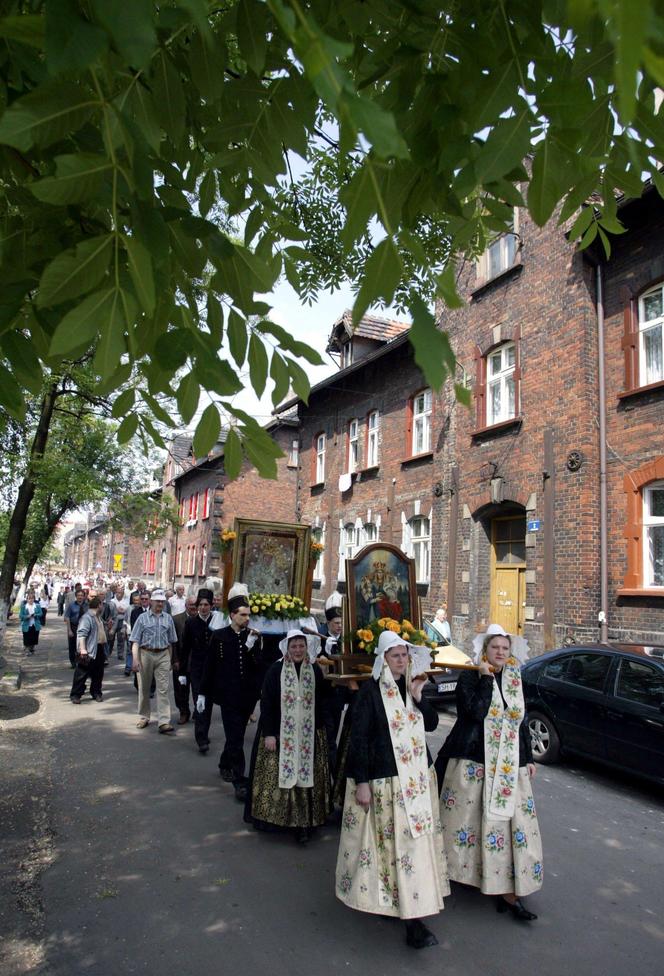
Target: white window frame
[(501, 380), (353, 445), (650, 522), (369, 533), (178, 561), (420, 544), (205, 508), (373, 427), (347, 354), (203, 559), (422, 409), (646, 327), (505, 248), (320, 458), (350, 540)]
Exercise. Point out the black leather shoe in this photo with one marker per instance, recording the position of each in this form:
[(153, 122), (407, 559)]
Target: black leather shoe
[(418, 936), (203, 749), (226, 775), (517, 908), (241, 793)]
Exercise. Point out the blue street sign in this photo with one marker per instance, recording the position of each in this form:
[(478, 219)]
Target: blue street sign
[(534, 525)]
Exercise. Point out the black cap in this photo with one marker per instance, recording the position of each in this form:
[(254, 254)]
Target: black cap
[(204, 594), (236, 602), (333, 613)]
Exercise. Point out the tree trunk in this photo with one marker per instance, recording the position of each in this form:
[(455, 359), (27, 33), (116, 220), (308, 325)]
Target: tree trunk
[(22, 507)]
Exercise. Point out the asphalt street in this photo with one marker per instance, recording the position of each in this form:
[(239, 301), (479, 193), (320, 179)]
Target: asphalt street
[(125, 853)]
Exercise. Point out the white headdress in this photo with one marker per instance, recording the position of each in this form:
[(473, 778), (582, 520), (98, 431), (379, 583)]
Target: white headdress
[(420, 656), (313, 643), (519, 645)]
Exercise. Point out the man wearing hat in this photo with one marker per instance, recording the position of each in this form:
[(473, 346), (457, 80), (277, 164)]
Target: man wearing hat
[(152, 639), (195, 646), (331, 630), (232, 679)]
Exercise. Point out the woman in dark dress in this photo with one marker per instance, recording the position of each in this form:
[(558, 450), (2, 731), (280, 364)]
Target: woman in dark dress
[(289, 779), (492, 838), (391, 854), (30, 616)]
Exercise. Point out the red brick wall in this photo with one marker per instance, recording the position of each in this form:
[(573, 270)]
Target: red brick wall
[(394, 487)]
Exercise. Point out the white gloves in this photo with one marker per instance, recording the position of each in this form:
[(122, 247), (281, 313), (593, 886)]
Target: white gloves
[(251, 640), (182, 679), (200, 703)]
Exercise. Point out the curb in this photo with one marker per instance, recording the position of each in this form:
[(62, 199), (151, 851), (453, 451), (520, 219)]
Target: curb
[(12, 680)]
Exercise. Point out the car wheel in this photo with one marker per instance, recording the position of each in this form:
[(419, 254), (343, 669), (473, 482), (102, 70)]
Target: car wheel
[(545, 739)]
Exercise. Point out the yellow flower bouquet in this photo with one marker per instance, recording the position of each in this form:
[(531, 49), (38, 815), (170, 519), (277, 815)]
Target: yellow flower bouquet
[(365, 640), (228, 537), (277, 606)]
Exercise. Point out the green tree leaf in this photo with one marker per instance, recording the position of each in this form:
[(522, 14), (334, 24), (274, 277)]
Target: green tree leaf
[(72, 43), (11, 395), (24, 28), (123, 403), (237, 337), (169, 97), (207, 193), (258, 364), (300, 380), (127, 428), (188, 395), (250, 25), (505, 148), (232, 454), (77, 177), (433, 353), (207, 431), (75, 272), (630, 21), (381, 276), (45, 115), (133, 33), (140, 269), (281, 377), (20, 353)]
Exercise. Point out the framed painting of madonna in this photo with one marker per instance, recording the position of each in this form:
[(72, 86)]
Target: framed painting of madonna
[(271, 557), (380, 582)]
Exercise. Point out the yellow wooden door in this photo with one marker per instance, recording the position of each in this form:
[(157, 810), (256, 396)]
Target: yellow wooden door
[(508, 598)]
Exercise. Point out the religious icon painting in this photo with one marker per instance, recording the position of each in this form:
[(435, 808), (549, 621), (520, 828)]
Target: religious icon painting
[(271, 557), (380, 582)]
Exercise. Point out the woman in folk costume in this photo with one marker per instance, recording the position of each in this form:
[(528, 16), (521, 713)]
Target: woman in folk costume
[(492, 837), (290, 778), (391, 854)]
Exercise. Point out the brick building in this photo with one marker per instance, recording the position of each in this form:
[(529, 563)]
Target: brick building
[(208, 502), (367, 442), (93, 547), (501, 505), (520, 509)]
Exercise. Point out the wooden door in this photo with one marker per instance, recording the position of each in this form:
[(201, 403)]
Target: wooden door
[(508, 576), (506, 607)]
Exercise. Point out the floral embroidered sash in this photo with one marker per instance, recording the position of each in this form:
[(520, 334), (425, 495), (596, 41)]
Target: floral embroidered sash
[(297, 731), (501, 744), (406, 727)]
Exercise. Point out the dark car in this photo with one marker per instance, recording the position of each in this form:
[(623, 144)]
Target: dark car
[(601, 701)]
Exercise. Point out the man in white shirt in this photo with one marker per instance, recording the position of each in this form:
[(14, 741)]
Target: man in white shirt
[(119, 634), (177, 602)]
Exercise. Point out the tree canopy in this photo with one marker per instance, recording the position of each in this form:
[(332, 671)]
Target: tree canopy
[(376, 140)]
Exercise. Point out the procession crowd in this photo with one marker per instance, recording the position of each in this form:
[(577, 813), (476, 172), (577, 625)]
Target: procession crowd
[(352, 754)]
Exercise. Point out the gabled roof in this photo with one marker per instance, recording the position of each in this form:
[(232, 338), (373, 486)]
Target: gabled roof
[(369, 327)]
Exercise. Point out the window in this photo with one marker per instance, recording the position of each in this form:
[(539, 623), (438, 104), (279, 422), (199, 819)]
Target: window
[(181, 511), (643, 529), (421, 545), (205, 508), (319, 464), (349, 540), (369, 533), (653, 534), (556, 669), (294, 455), (651, 344), (152, 561), (500, 255), (372, 439), (193, 507), (421, 442), (346, 354), (191, 561), (353, 446), (203, 568), (587, 670), (145, 561), (501, 404), (178, 562), (641, 683)]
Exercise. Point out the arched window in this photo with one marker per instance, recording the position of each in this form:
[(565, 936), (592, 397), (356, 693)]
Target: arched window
[(644, 529)]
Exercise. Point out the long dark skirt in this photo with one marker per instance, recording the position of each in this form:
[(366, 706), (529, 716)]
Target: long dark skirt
[(339, 789), (269, 808), (30, 636)]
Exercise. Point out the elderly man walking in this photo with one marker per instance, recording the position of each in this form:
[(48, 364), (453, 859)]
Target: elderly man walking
[(152, 639)]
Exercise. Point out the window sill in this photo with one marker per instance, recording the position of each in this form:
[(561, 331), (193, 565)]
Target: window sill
[(424, 456), (640, 389), (483, 432), (646, 591), (371, 469), (317, 488), (511, 272)]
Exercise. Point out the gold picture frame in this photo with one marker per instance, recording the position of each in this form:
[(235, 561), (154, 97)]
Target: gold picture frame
[(271, 557)]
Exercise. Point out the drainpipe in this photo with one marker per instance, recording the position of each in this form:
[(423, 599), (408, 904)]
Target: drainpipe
[(603, 548)]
